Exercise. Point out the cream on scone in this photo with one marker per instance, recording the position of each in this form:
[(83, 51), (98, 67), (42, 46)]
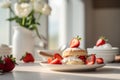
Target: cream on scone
[(71, 56)]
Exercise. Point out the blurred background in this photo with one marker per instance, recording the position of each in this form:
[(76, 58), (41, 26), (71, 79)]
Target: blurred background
[(89, 19)]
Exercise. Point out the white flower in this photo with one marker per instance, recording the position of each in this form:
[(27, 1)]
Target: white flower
[(46, 9), (32, 0), (38, 5), (5, 4), (23, 9)]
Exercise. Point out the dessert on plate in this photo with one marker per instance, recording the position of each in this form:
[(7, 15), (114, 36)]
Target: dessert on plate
[(74, 55)]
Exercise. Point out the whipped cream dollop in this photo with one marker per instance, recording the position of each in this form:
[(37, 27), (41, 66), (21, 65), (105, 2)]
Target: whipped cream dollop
[(72, 58), (105, 46)]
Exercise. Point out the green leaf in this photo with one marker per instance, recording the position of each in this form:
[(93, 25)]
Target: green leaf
[(79, 38), (32, 27), (11, 19)]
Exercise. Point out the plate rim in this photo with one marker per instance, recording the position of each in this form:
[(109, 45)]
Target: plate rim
[(69, 66)]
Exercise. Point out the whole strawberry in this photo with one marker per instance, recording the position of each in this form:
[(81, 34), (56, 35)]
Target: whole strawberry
[(75, 42), (9, 63), (1, 64), (28, 57), (101, 41)]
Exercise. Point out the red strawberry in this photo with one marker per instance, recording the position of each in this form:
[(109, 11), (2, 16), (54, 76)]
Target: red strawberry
[(57, 55), (1, 63), (1, 66), (74, 43), (100, 41), (49, 60), (91, 59), (83, 58), (56, 61), (27, 58), (9, 64), (99, 60)]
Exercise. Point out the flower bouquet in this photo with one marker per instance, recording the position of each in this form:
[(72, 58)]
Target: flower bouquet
[(27, 13)]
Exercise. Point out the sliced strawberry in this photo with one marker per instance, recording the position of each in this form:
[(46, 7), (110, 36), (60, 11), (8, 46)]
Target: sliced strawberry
[(56, 61), (83, 58), (49, 60), (28, 57), (91, 59), (100, 41), (74, 43), (99, 60), (58, 56)]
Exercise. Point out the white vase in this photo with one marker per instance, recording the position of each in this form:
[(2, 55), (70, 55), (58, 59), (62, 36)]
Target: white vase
[(23, 41)]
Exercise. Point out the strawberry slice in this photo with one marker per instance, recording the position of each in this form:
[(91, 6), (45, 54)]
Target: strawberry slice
[(101, 41), (49, 60), (75, 42), (58, 56), (91, 59), (99, 60), (83, 58), (56, 61)]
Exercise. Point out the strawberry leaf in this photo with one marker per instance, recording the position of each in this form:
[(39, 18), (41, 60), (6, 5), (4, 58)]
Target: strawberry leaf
[(79, 38)]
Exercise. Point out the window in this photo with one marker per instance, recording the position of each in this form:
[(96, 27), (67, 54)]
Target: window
[(4, 26), (55, 22), (66, 21)]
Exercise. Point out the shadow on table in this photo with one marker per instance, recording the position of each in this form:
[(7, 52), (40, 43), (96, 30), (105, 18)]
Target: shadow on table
[(99, 71), (109, 70)]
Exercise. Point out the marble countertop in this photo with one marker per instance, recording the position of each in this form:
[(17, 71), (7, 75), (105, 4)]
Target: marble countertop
[(34, 71)]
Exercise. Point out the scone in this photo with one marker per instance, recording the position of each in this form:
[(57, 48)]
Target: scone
[(74, 52), (72, 56)]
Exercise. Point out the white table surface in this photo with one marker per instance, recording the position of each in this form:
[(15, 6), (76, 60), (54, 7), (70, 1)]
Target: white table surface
[(33, 71)]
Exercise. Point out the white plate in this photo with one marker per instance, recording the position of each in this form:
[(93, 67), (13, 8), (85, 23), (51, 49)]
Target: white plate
[(66, 67)]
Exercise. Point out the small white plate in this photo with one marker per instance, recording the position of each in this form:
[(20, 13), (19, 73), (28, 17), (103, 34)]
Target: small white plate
[(66, 67)]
